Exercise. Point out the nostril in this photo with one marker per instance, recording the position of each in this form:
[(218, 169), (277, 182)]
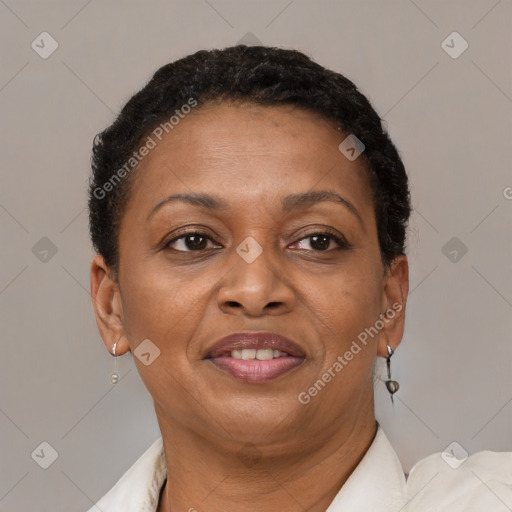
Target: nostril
[(233, 304)]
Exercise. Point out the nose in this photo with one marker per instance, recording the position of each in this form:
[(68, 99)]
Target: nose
[(256, 288)]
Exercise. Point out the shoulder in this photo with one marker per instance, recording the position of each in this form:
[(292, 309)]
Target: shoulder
[(451, 482)]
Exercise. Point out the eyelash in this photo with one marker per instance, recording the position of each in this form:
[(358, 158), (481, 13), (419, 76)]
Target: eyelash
[(342, 243)]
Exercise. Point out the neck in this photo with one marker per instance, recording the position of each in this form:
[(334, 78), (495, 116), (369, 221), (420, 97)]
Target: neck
[(213, 476)]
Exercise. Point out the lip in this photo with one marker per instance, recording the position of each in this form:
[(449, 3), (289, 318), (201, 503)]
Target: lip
[(255, 371), (256, 340)]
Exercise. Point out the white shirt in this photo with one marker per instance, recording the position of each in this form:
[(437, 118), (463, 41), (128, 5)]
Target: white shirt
[(482, 483)]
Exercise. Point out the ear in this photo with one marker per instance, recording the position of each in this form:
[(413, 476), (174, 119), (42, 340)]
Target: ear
[(396, 288), (106, 300)]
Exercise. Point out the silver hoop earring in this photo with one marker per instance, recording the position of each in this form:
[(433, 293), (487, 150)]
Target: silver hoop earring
[(114, 376), (392, 385)]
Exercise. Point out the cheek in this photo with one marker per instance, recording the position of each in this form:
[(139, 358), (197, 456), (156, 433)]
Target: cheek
[(144, 310), (163, 306), (344, 310), (156, 309), (350, 297)]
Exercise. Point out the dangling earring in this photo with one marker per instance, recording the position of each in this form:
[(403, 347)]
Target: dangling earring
[(392, 385), (114, 376)]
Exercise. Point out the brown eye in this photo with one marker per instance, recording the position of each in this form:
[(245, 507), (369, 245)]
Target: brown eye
[(322, 241), (193, 241)]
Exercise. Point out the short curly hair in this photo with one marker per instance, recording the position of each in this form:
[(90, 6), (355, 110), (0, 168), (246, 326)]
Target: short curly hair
[(253, 74)]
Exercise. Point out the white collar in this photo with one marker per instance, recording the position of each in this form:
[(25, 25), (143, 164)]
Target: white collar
[(377, 484), (138, 490)]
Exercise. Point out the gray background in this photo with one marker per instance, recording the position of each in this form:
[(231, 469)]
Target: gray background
[(451, 118)]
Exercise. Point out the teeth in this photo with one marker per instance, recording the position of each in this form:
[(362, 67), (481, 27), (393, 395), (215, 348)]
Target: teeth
[(264, 354), (261, 354), (248, 354), (236, 354)]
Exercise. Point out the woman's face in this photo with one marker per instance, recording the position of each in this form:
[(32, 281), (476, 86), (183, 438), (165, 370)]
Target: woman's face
[(190, 273)]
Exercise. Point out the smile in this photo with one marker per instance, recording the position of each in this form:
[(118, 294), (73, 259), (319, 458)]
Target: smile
[(257, 356)]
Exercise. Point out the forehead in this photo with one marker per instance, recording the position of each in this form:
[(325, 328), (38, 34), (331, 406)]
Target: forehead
[(248, 152)]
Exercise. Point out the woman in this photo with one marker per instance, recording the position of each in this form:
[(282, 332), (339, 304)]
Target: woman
[(249, 214)]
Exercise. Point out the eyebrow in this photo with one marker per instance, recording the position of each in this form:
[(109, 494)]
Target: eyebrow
[(295, 202), (290, 203)]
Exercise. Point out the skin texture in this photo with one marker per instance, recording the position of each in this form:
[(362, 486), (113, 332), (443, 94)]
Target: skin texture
[(232, 445)]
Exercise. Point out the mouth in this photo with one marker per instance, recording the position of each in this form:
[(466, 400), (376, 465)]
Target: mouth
[(256, 356)]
